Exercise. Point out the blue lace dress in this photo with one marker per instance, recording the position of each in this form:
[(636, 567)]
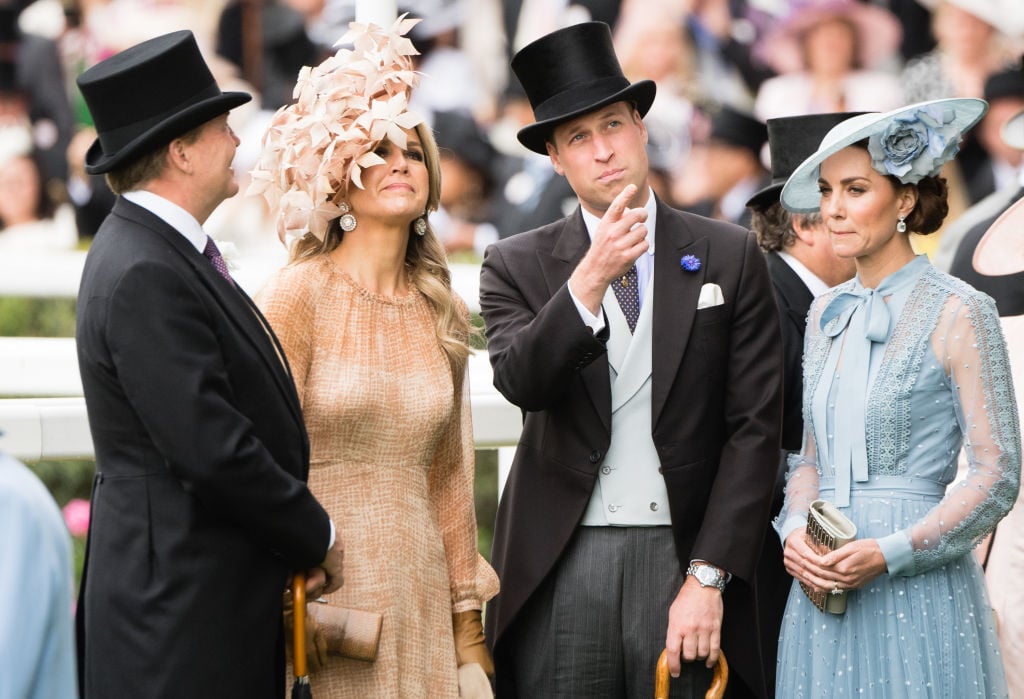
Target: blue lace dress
[(896, 379)]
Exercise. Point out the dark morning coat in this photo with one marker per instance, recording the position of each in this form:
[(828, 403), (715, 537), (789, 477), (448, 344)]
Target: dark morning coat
[(794, 301), (200, 510), (716, 404)]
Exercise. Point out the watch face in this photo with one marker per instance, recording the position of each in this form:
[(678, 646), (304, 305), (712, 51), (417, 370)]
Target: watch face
[(707, 575)]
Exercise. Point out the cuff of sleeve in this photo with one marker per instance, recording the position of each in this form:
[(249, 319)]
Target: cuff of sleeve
[(792, 522), (898, 553), (330, 543), (595, 323)]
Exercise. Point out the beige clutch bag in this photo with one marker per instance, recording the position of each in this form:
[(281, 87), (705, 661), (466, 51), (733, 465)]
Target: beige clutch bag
[(350, 633), (827, 530)]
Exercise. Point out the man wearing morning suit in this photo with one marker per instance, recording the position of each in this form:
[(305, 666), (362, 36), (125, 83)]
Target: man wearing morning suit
[(636, 505), (200, 509)]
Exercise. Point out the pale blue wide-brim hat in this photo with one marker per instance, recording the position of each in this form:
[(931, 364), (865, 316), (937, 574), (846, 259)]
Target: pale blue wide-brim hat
[(910, 143)]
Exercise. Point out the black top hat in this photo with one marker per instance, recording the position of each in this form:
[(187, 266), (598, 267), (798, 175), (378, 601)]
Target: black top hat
[(791, 140), (1008, 83), (738, 128), (147, 96), (570, 72)]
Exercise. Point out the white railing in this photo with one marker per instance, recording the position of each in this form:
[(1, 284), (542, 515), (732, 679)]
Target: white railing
[(47, 419)]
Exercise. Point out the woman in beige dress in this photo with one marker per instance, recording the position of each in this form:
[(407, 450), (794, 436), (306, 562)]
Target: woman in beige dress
[(378, 346)]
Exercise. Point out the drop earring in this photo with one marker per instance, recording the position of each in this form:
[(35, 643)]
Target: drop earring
[(348, 219), (420, 225), (901, 225)]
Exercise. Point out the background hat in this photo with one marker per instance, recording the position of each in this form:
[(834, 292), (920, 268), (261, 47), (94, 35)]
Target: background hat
[(1006, 16), (457, 132), (147, 96), (800, 193), (570, 72), (878, 33), (790, 141), (736, 128), (1005, 83), (1001, 250), (1013, 131)]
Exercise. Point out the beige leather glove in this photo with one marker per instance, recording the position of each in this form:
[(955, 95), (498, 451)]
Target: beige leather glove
[(473, 683), (468, 630), (316, 644)]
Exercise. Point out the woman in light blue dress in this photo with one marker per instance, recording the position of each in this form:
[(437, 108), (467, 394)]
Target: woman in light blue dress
[(902, 365)]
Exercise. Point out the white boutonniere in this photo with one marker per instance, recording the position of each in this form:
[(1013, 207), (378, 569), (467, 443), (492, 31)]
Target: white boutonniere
[(228, 251)]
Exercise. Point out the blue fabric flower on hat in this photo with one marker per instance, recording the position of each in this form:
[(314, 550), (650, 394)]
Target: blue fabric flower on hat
[(691, 263), (913, 146)]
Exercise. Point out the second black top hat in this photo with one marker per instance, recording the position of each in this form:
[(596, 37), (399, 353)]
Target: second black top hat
[(791, 140), (570, 72), (148, 95)]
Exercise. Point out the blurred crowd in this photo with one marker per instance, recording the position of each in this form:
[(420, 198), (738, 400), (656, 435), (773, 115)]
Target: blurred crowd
[(722, 67)]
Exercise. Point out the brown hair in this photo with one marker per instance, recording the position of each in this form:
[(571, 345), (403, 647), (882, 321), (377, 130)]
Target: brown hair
[(773, 226), (132, 175)]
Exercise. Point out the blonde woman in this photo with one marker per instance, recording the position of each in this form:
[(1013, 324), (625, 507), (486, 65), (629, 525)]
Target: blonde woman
[(378, 345)]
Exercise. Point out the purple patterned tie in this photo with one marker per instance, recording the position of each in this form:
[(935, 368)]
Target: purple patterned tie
[(628, 294), (215, 257)]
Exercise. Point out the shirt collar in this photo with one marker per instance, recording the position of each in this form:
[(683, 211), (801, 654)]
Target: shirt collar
[(811, 280), (172, 214), (651, 207)]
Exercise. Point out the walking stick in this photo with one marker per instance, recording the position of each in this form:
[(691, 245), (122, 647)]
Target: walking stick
[(301, 688), (718, 680)]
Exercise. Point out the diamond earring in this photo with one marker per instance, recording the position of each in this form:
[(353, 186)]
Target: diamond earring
[(348, 219), (901, 225), (420, 225)]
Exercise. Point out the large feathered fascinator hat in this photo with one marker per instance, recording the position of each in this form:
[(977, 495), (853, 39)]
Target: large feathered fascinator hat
[(344, 108)]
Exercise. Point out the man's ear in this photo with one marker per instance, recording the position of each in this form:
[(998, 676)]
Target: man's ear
[(178, 156)]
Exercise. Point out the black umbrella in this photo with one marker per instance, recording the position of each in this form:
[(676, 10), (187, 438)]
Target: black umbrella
[(301, 688)]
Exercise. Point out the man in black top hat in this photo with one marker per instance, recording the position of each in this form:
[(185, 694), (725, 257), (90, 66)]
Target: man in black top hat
[(727, 168), (802, 265), (199, 508), (642, 344)]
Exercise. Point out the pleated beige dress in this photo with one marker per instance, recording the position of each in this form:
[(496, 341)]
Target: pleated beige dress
[(392, 461)]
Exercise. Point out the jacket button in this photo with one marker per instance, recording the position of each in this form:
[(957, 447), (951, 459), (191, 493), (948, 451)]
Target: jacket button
[(595, 456)]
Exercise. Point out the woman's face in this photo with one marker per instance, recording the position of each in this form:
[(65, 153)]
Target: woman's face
[(860, 206), (831, 48), (19, 191), (395, 192)]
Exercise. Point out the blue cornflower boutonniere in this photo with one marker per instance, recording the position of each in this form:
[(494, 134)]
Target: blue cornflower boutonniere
[(690, 263)]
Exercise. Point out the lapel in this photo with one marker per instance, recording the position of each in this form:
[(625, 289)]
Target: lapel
[(237, 304), (570, 246), (676, 292), (794, 292)]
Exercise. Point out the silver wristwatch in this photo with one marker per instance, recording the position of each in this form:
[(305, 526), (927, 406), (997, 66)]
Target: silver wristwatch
[(708, 575)]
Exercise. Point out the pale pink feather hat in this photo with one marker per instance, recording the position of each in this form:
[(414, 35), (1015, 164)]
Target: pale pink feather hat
[(345, 107)]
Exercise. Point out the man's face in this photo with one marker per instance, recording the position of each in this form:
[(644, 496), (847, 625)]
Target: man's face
[(214, 150), (600, 153)]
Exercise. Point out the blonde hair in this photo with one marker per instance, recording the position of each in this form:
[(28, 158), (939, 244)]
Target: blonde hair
[(425, 259)]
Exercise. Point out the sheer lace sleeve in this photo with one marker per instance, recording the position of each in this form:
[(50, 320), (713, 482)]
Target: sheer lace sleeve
[(969, 341)]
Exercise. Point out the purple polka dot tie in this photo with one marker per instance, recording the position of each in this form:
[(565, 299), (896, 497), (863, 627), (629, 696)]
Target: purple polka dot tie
[(628, 294), (215, 257)]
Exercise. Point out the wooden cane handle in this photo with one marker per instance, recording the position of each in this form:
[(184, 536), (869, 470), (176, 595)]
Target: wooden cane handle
[(719, 679), (299, 624)]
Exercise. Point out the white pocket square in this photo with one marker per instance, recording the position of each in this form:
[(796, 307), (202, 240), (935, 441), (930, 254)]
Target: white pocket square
[(710, 295)]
